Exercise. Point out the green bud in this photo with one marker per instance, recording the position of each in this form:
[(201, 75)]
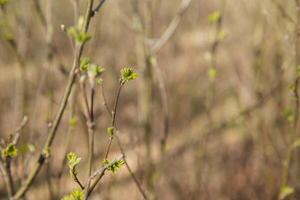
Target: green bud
[(10, 151), (128, 74)]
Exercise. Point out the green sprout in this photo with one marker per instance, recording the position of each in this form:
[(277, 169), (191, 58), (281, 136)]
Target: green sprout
[(77, 32), (73, 161), (84, 64), (110, 131), (95, 70), (78, 35), (113, 166), (128, 74), (10, 151), (77, 194)]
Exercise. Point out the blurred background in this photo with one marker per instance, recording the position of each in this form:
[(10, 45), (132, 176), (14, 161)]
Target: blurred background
[(212, 115)]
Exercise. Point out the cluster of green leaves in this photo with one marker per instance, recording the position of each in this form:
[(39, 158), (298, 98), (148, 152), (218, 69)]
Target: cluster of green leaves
[(73, 161), (77, 194), (113, 166), (77, 32), (93, 70), (10, 151), (3, 2), (128, 74)]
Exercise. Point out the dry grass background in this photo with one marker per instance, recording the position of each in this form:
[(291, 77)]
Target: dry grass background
[(214, 150)]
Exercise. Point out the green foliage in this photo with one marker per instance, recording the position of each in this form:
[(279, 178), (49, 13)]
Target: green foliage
[(285, 192), (3, 2), (214, 17), (95, 70), (128, 74), (92, 69), (77, 194), (113, 166), (84, 64), (78, 35), (110, 131), (77, 32), (10, 151), (73, 121), (73, 161)]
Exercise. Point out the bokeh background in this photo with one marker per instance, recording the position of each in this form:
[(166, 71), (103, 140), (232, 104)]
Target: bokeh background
[(224, 82)]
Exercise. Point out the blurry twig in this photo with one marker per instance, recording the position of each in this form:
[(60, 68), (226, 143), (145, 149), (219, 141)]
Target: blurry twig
[(287, 166), (18, 130), (97, 8), (105, 101), (133, 177), (171, 27), (114, 134), (89, 114)]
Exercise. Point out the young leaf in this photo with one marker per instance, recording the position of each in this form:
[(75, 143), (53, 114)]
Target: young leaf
[(78, 35), (128, 74), (73, 161), (95, 70), (10, 151), (110, 131), (84, 64), (77, 194), (113, 166)]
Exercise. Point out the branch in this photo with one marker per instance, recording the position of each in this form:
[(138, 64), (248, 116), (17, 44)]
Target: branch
[(172, 27), (97, 8), (105, 101), (52, 133), (19, 129), (114, 114), (100, 173)]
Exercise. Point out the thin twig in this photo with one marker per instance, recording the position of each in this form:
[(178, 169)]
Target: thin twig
[(171, 27), (105, 101), (113, 119), (98, 7), (19, 129), (134, 178)]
